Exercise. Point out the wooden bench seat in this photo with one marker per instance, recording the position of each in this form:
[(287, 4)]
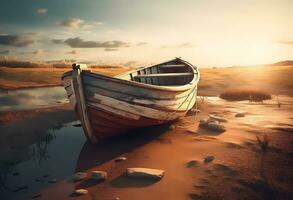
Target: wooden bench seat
[(163, 75)]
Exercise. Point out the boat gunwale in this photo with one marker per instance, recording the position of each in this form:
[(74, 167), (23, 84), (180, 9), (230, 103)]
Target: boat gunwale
[(116, 78)]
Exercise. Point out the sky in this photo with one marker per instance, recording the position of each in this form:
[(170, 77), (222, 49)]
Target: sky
[(139, 32)]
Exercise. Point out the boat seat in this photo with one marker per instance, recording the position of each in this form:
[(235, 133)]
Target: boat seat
[(172, 66), (163, 75)]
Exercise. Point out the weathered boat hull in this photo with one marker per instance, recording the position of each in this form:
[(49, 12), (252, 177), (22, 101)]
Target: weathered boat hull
[(110, 106)]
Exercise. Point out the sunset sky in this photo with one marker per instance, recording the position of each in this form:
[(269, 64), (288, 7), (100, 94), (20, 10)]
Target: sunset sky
[(204, 32)]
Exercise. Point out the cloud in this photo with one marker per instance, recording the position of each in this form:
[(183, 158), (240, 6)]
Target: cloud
[(72, 52), (80, 43), (5, 52), (182, 45), (141, 43), (56, 41), (42, 11), (38, 52), (72, 23), (15, 40), (287, 42)]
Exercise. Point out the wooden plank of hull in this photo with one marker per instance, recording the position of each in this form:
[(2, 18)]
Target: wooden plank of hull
[(167, 105), (117, 105), (114, 124)]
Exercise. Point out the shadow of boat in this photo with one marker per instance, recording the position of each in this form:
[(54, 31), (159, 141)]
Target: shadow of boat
[(93, 155)]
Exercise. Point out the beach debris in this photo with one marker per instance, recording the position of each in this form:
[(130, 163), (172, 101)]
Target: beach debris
[(54, 180), (121, 158), (240, 115), (209, 159), (217, 118), (79, 176), (99, 175), (145, 173), (216, 126), (172, 127), (81, 192), (36, 195), (191, 163)]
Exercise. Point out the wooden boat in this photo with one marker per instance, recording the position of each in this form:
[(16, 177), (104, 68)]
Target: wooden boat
[(109, 106)]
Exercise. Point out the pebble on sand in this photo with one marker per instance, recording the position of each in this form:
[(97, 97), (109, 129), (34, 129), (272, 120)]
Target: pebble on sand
[(191, 163), (209, 159), (216, 126), (36, 195), (145, 173), (79, 176), (99, 175), (220, 119), (116, 198), (172, 127), (121, 158), (240, 115), (80, 192)]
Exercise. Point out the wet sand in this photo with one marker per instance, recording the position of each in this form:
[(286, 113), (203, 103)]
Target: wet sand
[(240, 169)]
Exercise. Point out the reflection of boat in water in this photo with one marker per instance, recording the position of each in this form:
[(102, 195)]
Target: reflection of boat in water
[(108, 106)]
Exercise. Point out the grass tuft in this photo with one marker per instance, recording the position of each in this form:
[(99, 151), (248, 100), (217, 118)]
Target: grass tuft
[(263, 142)]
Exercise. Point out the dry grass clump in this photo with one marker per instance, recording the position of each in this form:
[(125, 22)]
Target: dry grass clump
[(241, 94), (263, 142)]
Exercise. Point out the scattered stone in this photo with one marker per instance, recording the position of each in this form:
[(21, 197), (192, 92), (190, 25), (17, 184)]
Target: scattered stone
[(36, 195), (116, 198), (15, 174), (99, 175), (79, 176), (145, 173), (203, 121), (220, 119), (119, 159), (191, 163), (209, 159), (216, 126), (240, 115), (52, 181), (80, 192), (172, 127)]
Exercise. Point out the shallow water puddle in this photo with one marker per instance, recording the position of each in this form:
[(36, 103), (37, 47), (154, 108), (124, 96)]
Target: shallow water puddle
[(23, 99), (52, 158)]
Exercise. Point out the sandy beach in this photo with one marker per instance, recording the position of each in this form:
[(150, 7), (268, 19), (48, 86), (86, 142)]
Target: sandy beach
[(239, 169)]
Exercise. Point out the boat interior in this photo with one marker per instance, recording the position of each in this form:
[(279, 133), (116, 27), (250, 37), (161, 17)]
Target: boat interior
[(172, 73)]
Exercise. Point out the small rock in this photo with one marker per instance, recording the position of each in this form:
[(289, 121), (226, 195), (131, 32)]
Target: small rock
[(209, 159), (79, 176), (80, 192), (145, 173), (220, 119), (240, 115), (172, 127), (191, 163), (116, 198), (36, 196), (216, 126), (203, 121), (99, 175), (119, 159), (52, 181)]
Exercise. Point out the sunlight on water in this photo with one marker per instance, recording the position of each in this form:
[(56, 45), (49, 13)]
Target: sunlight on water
[(24, 99)]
